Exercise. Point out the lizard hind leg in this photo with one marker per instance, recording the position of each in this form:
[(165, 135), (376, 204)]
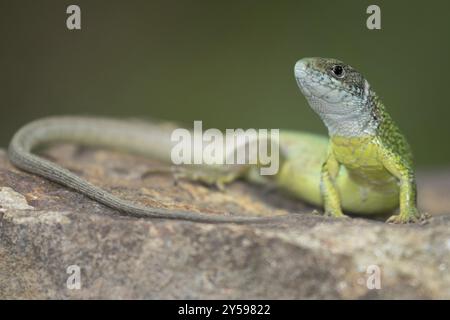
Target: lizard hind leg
[(212, 175)]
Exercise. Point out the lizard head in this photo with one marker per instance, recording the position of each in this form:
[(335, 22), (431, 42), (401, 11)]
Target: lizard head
[(338, 93)]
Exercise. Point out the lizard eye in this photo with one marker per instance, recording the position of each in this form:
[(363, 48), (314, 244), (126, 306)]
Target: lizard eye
[(338, 71)]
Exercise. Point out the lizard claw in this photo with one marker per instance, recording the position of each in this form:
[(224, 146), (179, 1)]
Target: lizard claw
[(338, 215), (416, 218)]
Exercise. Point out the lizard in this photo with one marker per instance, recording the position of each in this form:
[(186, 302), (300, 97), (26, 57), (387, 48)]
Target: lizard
[(364, 166)]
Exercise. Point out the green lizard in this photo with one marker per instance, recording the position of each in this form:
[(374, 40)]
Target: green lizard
[(365, 166)]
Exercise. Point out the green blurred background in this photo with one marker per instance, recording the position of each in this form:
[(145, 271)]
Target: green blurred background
[(228, 63)]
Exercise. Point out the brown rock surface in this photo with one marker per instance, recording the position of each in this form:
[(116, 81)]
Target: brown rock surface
[(45, 228)]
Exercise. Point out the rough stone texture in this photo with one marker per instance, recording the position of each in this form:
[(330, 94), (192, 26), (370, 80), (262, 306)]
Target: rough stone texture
[(45, 228)]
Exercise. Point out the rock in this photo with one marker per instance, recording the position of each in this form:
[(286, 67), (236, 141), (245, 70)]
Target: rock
[(47, 232)]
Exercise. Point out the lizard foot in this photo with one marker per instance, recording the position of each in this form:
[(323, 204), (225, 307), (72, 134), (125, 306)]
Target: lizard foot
[(334, 214), (412, 218)]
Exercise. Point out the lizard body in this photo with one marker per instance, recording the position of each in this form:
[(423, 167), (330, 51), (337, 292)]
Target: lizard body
[(364, 167)]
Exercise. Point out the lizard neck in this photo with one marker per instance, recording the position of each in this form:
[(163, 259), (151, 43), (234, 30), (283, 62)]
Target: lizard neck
[(344, 113), (361, 117), (350, 125)]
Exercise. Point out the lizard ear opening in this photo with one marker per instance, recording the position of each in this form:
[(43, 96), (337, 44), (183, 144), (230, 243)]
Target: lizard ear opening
[(366, 88)]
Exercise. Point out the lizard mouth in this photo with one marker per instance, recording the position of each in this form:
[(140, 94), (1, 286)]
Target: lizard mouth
[(314, 89), (303, 87)]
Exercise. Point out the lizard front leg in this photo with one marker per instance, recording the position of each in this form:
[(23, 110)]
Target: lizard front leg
[(403, 171), (329, 192)]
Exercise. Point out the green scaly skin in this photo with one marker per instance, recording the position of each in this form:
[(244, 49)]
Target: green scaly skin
[(365, 166)]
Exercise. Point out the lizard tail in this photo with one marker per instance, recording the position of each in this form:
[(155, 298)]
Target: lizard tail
[(142, 138)]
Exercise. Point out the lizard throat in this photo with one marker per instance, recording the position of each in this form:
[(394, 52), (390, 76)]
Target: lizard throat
[(347, 119)]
